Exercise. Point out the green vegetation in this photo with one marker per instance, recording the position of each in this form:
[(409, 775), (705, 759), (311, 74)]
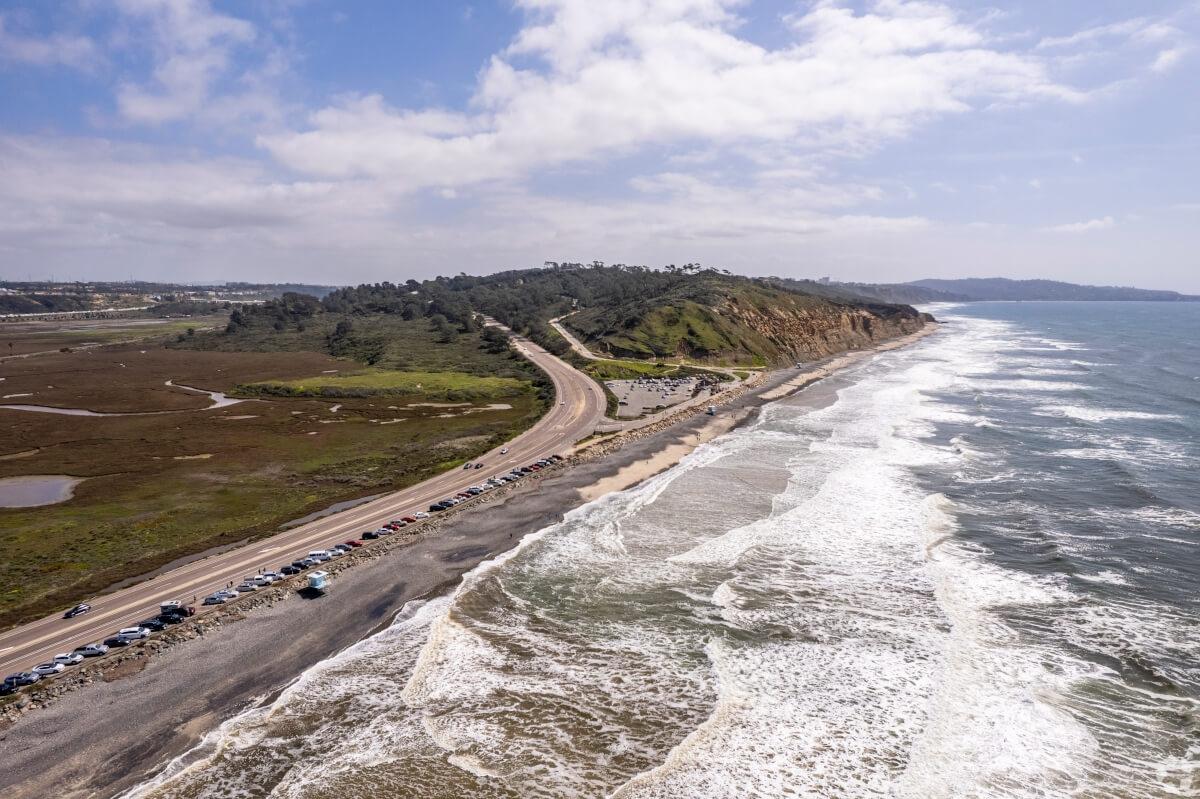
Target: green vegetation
[(687, 313), (627, 370), (386, 382)]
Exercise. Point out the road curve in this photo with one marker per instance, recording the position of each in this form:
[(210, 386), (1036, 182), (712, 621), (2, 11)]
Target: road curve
[(578, 406)]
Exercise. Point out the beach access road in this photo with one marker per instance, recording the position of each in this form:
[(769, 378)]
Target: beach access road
[(578, 407)]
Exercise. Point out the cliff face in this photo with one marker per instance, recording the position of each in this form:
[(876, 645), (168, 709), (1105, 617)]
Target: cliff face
[(815, 332), (741, 322)]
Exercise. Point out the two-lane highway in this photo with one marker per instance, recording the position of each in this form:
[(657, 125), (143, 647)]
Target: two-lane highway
[(578, 407)]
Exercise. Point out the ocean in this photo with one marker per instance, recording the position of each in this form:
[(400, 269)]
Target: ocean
[(965, 568)]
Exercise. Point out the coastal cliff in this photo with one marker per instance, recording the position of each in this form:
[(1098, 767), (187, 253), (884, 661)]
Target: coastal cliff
[(742, 322)]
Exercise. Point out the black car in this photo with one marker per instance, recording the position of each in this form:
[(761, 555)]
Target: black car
[(437, 506), (156, 625), (8, 688), (82, 607), (116, 640), (299, 565), (169, 618), (370, 535), (289, 570)]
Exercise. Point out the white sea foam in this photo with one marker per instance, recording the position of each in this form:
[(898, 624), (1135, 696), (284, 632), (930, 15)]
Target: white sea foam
[(1091, 414)]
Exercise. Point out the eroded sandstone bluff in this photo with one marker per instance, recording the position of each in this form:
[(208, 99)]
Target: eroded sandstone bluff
[(811, 333)]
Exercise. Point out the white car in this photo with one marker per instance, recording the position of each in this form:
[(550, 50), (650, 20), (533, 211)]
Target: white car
[(245, 588), (92, 650), (49, 669), (319, 555), (133, 633), (421, 515), (261, 580), (504, 450), (336, 553), (68, 658), (273, 576)]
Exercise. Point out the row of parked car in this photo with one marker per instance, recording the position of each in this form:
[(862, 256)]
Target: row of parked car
[(170, 612), (493, 483), (174, 612)]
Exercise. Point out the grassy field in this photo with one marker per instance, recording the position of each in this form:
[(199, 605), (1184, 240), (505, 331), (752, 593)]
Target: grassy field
[(389, 382), (181, 479), (24, 337), (627, 370)]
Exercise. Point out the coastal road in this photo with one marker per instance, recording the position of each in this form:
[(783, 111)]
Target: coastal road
[(578, 407)]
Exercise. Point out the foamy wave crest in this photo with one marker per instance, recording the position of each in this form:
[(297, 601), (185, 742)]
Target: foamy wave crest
[(1091, 414)]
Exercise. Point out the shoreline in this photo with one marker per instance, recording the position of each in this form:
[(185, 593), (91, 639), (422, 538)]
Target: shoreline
[(106, 737)]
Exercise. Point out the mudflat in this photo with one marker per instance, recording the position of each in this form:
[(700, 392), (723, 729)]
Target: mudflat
[(171, 474)]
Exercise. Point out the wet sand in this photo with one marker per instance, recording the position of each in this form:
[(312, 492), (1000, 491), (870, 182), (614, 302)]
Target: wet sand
[(107, 737)]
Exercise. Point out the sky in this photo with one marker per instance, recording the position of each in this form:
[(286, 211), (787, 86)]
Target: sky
[(347, 142)]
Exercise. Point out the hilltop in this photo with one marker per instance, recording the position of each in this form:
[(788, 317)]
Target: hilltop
[(688, 313)]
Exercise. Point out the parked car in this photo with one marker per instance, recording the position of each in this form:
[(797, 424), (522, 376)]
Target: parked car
[(69, 658), (246, 588), (171, 618), (409, 520), (260, 580), (27, 678), (437, 506), (8, 688), (370, 535), (153, 625), (79, 609), (116, 640), (228, 593), (169, 606), (352, 544), (302, 564), (133, 633), (421, 515), (319, 555), (290, 570), (49, 669), (337, 551), (308, 563), (91, 650), (215, 599)]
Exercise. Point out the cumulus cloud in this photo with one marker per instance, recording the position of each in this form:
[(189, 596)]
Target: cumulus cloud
[(59, 49), (1090, 225), (586, 80), (193, 47)]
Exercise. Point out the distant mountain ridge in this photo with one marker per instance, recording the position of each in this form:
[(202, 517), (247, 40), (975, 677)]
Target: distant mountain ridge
[(975, 289), (1002, 288)]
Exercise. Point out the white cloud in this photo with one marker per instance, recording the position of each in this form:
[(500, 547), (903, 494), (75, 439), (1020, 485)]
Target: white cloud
[(59, 49), (1082, 227), (614, 78), (193, 48), (1166, 60)]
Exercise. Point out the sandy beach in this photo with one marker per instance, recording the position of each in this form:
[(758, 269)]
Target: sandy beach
[(111, 735)]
